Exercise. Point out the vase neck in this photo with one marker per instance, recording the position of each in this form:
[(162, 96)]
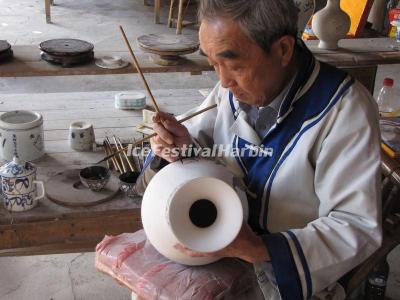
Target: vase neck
[(333, 3)]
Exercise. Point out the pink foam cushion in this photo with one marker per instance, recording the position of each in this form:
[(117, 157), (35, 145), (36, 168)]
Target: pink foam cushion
[(134, 262)]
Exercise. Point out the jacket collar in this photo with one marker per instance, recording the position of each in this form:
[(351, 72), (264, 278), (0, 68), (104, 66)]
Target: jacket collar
[(302, 82)]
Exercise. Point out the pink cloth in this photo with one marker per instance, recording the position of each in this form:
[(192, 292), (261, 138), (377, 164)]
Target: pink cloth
[(134, 262)]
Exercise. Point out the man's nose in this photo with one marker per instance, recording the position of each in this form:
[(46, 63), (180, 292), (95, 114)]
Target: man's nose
[(226, 80)]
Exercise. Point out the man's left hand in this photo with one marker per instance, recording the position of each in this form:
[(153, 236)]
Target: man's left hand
[(247, 246)]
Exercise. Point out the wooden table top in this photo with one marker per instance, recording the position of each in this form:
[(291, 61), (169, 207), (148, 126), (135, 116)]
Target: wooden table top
[(49, 227), (353, 53)]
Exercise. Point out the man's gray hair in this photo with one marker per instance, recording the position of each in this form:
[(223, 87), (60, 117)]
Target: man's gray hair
[(263, 21)]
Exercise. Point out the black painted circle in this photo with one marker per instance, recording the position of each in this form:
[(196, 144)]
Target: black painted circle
[(203, 213)]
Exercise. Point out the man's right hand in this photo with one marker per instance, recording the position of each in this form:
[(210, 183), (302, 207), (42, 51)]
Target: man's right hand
[(170, 135)]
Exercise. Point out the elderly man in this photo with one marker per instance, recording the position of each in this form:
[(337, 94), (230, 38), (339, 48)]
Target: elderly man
[(314, 202)]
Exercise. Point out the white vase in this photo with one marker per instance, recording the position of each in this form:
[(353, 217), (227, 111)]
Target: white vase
[(330, 24), (192, 203)]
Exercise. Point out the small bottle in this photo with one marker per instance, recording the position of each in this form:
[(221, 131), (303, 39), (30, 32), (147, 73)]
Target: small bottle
[(375, 287), (386, 98)]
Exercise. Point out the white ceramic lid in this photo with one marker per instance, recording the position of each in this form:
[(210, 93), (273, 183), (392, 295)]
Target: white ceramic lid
[(20, 119), (130, 96), (15, 168), (80, 125)]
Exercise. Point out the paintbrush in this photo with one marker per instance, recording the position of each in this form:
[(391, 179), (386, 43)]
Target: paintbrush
[(136, 64), (154, 134)]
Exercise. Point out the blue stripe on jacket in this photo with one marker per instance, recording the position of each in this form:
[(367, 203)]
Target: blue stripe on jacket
[(304, 264), (284, 266), (310, 105)]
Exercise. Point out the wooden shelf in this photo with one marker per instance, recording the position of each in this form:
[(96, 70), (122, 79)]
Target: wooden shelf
[(353, 53)]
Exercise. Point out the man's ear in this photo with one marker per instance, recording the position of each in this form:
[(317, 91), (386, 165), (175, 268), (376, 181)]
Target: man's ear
[(284, 48)]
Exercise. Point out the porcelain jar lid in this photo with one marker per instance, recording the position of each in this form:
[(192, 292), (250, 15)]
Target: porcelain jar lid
[(20, 120), (16, 168)]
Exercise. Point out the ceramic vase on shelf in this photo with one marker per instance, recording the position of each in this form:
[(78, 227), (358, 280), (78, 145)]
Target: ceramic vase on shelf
[(330, 24)]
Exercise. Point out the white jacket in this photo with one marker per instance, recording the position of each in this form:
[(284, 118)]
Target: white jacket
[(317, 199)]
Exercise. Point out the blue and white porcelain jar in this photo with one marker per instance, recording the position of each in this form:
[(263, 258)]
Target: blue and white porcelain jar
[(19, 185), (21, 134)]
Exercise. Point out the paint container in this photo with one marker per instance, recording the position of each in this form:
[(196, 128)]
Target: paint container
[(127, 183)]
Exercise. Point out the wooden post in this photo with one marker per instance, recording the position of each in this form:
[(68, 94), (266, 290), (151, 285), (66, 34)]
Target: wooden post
[(47, 5), (171, 13), (157, 7), (179, 25)]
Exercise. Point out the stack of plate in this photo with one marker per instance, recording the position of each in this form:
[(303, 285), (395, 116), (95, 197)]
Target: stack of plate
[(130, 100), (67, 52), (166, 49)]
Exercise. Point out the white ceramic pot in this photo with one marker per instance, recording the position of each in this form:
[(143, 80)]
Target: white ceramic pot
[(21, 134), (306, 9), (192, 203), (330, 24), (81, 136), (19, 186)]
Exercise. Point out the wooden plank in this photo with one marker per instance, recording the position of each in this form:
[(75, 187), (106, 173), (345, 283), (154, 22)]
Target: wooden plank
[(48, 211), (76, 247), (174, 101), (353, 53), (29, 64), (68, 230)]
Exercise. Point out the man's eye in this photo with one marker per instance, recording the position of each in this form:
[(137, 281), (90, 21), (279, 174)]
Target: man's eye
[(237, 68)]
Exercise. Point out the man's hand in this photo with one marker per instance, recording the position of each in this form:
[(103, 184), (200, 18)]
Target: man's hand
[(170, 135), (247, 246)]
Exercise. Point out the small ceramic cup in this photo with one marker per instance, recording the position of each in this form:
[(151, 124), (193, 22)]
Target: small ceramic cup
[(95, 177), (127, 183), (81, 136), (111, 60)]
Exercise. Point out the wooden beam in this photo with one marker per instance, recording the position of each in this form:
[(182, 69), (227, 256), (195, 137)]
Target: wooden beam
[(71, 233)]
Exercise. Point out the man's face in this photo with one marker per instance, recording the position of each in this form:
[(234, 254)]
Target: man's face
[(252, 75)]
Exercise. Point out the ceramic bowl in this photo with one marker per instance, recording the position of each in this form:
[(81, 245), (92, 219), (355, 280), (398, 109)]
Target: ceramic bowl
[(111, 62), (95, 177), (127, 183)]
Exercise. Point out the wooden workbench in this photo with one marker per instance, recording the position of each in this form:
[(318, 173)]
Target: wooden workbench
[(51, 228)]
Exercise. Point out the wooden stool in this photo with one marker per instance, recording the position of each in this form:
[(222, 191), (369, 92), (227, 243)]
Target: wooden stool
[(179, 21)]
